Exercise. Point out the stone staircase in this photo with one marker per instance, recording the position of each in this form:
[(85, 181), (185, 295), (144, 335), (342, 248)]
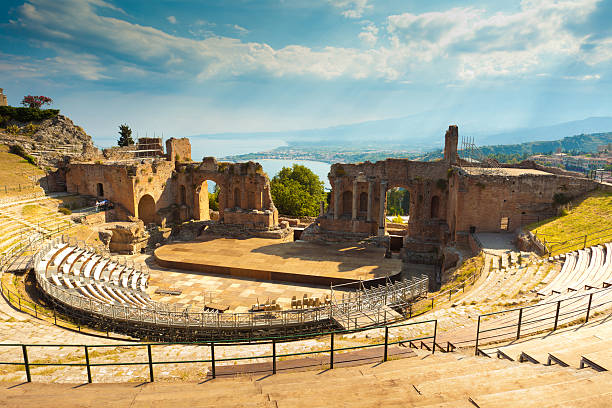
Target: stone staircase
[(445, 380)]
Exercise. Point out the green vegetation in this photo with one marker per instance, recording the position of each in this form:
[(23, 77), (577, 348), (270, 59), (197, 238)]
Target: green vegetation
[(8, 113), (297, 191), (65, 211), (578, 144), (213, 199), (397, 220), (125, 136), (19, 151), (16, 174), (581, 217), (398, 201)]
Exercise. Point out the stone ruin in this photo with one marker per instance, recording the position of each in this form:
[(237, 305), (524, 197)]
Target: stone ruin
[(173, 189), (449, 200)]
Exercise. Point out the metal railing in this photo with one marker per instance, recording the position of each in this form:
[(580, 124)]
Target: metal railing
[(161, 314), (546, 316), (273, 356), (574, 243)]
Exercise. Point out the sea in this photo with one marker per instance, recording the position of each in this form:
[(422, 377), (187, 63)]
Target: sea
[(203, 147)]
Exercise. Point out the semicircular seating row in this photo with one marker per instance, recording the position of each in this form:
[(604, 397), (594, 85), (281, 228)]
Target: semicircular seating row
[(584, 283), (93, 276), (85, 273), (588, 268)]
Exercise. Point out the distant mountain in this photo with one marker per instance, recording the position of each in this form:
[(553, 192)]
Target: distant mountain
[(419, 132), (554, 132), (583, 143)]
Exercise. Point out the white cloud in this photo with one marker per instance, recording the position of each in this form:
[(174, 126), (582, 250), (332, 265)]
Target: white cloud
[(240, 30), (369, 35), (171, 19), (460, 43), (351, 8), (589, 77), (500, 44), (83, 65)]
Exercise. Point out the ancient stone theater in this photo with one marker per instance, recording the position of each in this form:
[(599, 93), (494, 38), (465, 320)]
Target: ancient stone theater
[(449, 198)]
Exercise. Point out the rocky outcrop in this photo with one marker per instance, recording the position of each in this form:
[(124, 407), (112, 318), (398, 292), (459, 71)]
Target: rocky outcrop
[(53, 141)]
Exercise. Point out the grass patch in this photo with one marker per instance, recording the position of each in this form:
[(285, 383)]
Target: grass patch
[(583, 217), (15, 171), (33, 209)]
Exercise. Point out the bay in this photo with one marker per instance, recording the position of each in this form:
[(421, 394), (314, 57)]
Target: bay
[(203, 147)]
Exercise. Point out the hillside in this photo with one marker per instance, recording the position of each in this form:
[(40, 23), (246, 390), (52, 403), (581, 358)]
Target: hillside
[(590, 216), (44, 134), (583, 143), (17, 176)]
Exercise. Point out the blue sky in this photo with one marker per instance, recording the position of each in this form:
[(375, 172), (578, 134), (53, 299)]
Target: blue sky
[(185, 67)]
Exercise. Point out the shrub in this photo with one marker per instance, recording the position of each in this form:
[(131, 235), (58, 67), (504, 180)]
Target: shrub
[(561, 199), (19, 151), (13, 129), (397, 220), (177, 157), (27, 114), (36, 102), (65, 211), (30, 128)]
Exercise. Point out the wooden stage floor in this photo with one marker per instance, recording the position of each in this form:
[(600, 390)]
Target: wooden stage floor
[(269, 259)]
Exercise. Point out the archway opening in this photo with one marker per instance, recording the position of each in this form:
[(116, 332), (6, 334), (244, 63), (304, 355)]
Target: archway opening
[(398, 204), (100, 190), (347, 203), (398, 216), (207, 200), (435, 207), (146, 209)]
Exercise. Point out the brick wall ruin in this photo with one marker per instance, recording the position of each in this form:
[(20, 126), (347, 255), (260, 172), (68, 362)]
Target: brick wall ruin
[(164, 191), (178, 149), (447, 201)]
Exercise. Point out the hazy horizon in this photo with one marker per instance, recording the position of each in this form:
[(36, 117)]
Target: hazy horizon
[(185, 68)]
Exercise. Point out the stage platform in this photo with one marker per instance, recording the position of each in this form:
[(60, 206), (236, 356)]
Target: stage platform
[(269, 259)]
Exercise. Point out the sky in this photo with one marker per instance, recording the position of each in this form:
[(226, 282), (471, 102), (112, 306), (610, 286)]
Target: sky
[(189, 67)]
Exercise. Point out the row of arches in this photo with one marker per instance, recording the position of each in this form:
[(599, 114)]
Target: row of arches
[(347, 204)]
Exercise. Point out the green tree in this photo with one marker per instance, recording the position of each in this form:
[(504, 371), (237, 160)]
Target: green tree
[(125, 138), (297, 191), (213, 199), (398, 201)]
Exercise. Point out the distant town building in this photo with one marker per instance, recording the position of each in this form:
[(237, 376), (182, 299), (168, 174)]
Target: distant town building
[(583, 163), (3, 100)]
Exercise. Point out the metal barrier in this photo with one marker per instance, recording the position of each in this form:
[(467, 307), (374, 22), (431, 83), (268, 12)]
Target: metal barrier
[(578, 242), (546, 316), (166, 316), (272, 341)]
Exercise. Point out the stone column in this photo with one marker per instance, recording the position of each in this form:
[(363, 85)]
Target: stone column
[(383, 204), (370, 200), (355, 199), (337, 185)]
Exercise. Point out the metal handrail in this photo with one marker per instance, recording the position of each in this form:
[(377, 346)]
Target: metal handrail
[(519, 323), (160, 314), (212, 345)]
